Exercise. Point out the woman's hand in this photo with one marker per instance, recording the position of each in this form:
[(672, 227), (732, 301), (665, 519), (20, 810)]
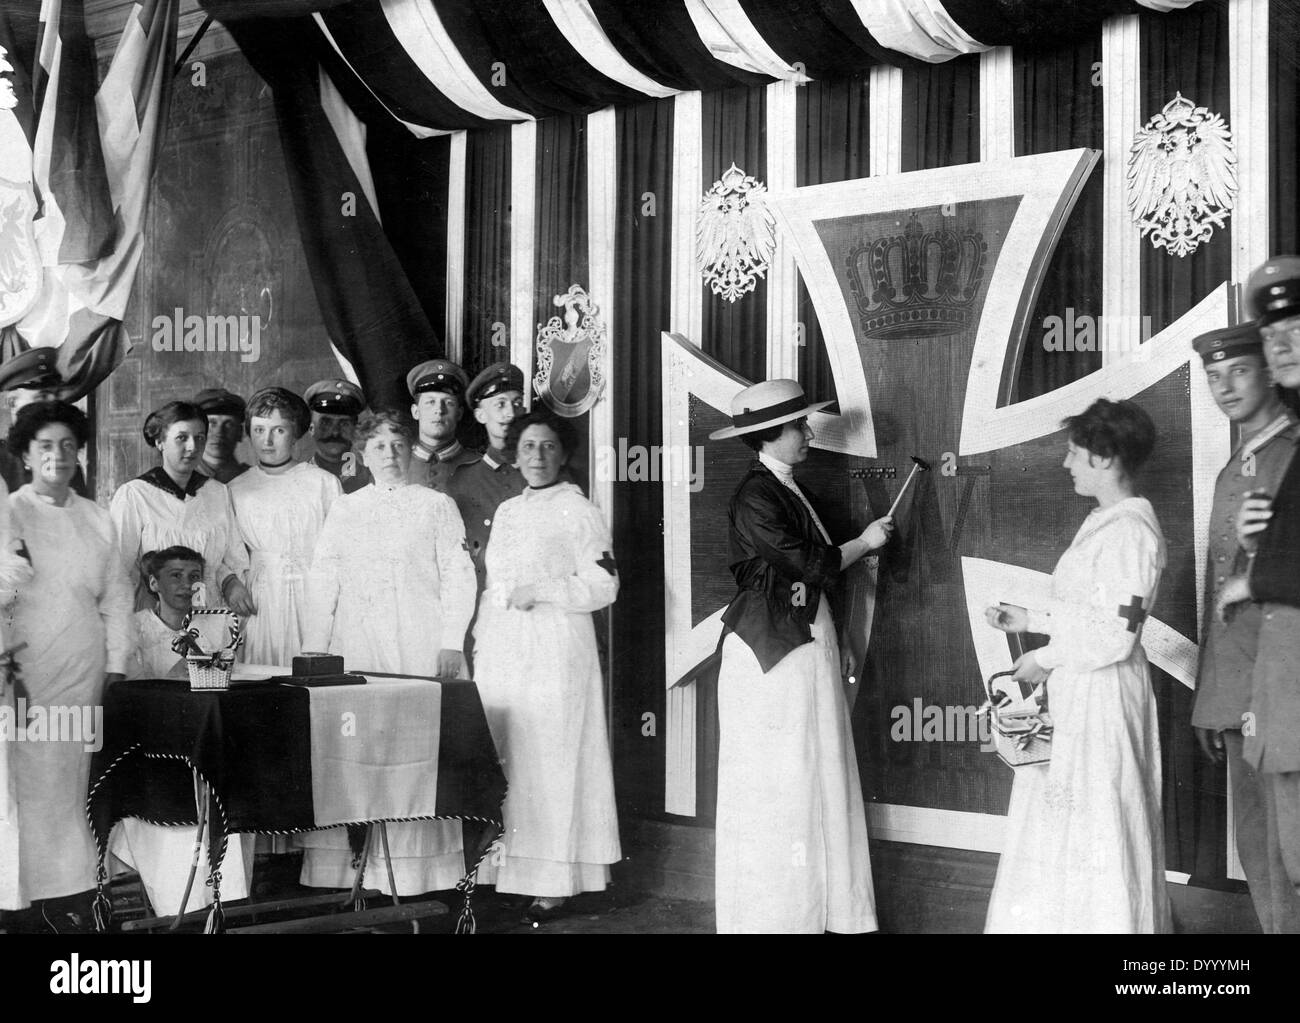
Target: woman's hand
[(523, 598), (878, 533), (848, 663), (238, 599), (1007, 617), (451, 664), (1027, 669), (1252, 519), (1235, 591)]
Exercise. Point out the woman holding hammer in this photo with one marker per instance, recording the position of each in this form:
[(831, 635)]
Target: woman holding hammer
[(791, 830)]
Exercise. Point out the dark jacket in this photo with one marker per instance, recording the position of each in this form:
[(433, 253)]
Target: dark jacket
[(781, 565)]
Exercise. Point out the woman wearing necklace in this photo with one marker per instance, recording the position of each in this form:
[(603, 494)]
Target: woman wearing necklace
[(75, 618), (792, 851), (174, 505), (1084, 846), (280, 506), (550, 563)]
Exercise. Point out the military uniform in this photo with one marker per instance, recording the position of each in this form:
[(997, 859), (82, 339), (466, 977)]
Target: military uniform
[(340, 398), (1272, 744), (351, 484), (435, 469), (430, 468), (478, 488), (1228, 657), (217, 401)]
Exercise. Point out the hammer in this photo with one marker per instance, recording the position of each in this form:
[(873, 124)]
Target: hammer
[(921, 464)]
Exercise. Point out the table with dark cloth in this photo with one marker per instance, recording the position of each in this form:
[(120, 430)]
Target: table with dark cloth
[(282, 758)]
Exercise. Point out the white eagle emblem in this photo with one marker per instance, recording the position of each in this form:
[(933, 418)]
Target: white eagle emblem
[(1182, 176), (736, 234)]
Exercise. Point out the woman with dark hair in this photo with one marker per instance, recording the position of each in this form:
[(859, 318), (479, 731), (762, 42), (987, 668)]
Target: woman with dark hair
[(550, 563), (391, 590), (74, 616), (280, 506), (792, 852), (174, 505), (1084, 846)]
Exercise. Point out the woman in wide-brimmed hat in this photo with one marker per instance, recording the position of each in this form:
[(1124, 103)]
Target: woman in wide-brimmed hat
[(791, 830)]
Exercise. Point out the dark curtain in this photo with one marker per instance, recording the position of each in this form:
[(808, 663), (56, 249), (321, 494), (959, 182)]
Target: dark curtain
[(410, 178), (834, 126), (941, 121), (1059, 106), (642, 283), (734, 130), (1284, 128), (486, 333), (1186, 52), (561, 240), (370, 310)]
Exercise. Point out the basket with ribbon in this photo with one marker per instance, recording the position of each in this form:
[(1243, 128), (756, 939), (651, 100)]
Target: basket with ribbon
[(208, 640), (1021, 734)]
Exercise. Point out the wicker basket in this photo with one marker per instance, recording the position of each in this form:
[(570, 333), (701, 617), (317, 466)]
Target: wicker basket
[(204, 676), (1019, 738)]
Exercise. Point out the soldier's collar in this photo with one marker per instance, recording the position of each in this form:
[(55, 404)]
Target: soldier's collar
[(495, 460)]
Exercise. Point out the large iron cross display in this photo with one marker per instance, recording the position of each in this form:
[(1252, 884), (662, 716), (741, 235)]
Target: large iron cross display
[(923, 284)]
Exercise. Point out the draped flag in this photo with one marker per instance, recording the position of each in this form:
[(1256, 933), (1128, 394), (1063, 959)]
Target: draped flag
[(92, 153)]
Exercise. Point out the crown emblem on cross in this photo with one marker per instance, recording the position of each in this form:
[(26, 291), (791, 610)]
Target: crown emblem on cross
[(921, 283)]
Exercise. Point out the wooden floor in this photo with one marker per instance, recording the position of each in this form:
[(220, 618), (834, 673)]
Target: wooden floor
[(919, 889)]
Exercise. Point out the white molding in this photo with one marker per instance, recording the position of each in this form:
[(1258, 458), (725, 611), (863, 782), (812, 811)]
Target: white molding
[(602, 193), (454, 321), (997, 105), (686, 317), (1249, 121), (782, 273), (1121, 282), (523, 224), (885, 98)]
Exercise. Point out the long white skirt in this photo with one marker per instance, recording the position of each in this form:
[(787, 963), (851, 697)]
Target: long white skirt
[(1084, 846), (163, 854), (792, 852)]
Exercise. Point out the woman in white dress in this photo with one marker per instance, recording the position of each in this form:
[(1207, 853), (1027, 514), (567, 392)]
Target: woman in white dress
[(174, 505), (75, 617), (792, 854), (1084, 847), (550, 563), (280, 506), (15, 572), (391, 590)]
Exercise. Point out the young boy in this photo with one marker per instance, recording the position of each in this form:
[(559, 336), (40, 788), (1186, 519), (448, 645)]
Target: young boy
[(162, 854), (173, 574)]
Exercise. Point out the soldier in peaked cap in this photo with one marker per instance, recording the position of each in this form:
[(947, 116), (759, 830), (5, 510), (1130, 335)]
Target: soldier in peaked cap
[(1268, 529), (225, 414), (438, 404), (496, 397), (1265, 432), (28, 377), (335, 405)]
